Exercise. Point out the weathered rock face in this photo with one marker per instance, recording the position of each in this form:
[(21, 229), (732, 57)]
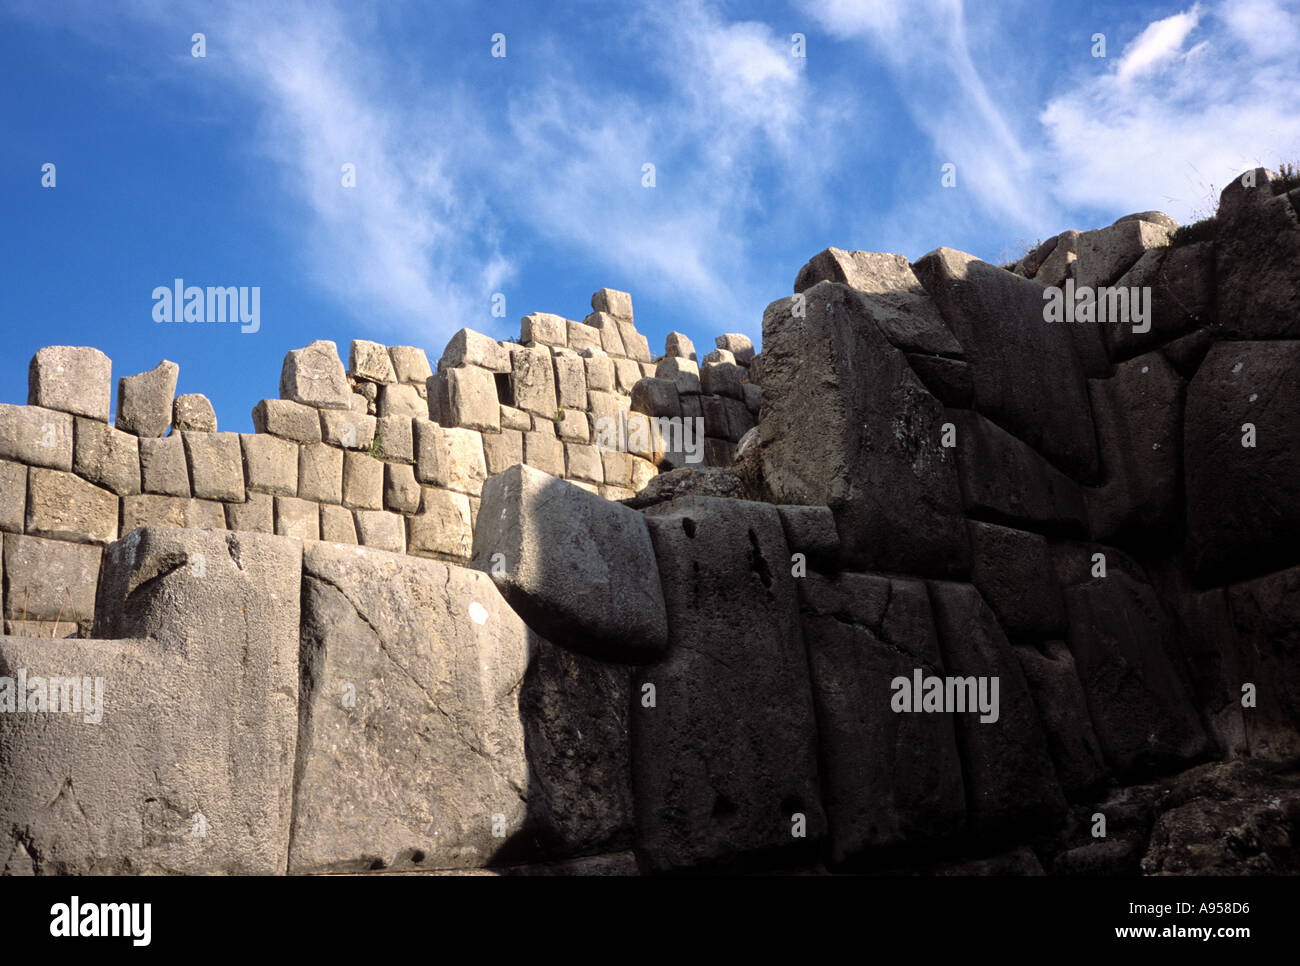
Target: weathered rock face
[(174, 776), (1018, 361), (888, 778), (314, 376), (580, 569), (1242, 460), (71, 379), (899, 306), (424, 740), (1258, 260), (145, 400), (847, 425), (723, 739)]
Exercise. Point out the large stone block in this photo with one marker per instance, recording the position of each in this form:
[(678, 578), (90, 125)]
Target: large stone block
[(889, 778), (410, 364), (1003, 479), (394, 438), (1009, 778), (381, 530), (36, 436), (216, 466), (286, 418), (336, 524), (544, 452), (1013, 570), (320, 473), (297, 518), (148, 509), (1107, 253), (65, 507), (472, 398), (256, 514), (192, 412), (581, 336), (270, 464), (866, 443), (612, 301), (145, 401), (893, 296), (1063, 713), (443, 527), (370, 361), (1181, 281), (402, 400), (544, 329), (1018, 360), (725, 759), (1120, 638), (464, 725), (1139, 416), (1243, 501), (579, 569), (349, 430), (1265, 640), (50, 579), (208, 616), (738, 344), (570, 380), (71, 379), (314, 376), (449, 458), (470, 348), (401, 491), (1258, 260), (106, 456), (532, 381), (13, 496), (502, 450)]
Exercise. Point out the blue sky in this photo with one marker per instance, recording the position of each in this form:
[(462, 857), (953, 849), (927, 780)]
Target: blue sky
[(523, 175)]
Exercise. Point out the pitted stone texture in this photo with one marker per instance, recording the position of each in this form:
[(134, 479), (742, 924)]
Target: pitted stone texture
[(1008, 773), (449, 458), (50, 579), (1258, 260), (71, 379), (1017, 359), (889, 778), (349, 430), (297, 518), (320, 473), (288, 419), (381, 530), (270, 464), (13, 496), (65, 507), (867, 443), (410, 364), (613, 301), (401, 491), (579, 569), (36, 436), (893, 297), (144, 401), (472, 399), (532, 381), (107, 457), (314, 376), (401, 400), (443, 527), (363, 481), (471, 348), (192, 413), (1243, 503), (216, 466), (119, 797), (256, 514), (370, 361), (727, 754), (453, 731)]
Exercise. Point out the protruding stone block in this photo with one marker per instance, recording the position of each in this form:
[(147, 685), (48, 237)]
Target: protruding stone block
[(348, 430), (544, 329), (192, 413), (71, 379), (314, 376), (144, 401), (410, 364), (370, 361), (287, 419), (614, 302), (470, 348), (472, 397)]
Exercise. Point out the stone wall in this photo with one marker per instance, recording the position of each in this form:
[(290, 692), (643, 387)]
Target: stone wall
[(385, 453), (942, 485)]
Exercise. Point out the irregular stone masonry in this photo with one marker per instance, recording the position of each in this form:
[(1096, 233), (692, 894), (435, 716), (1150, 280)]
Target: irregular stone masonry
[(695, 672)]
